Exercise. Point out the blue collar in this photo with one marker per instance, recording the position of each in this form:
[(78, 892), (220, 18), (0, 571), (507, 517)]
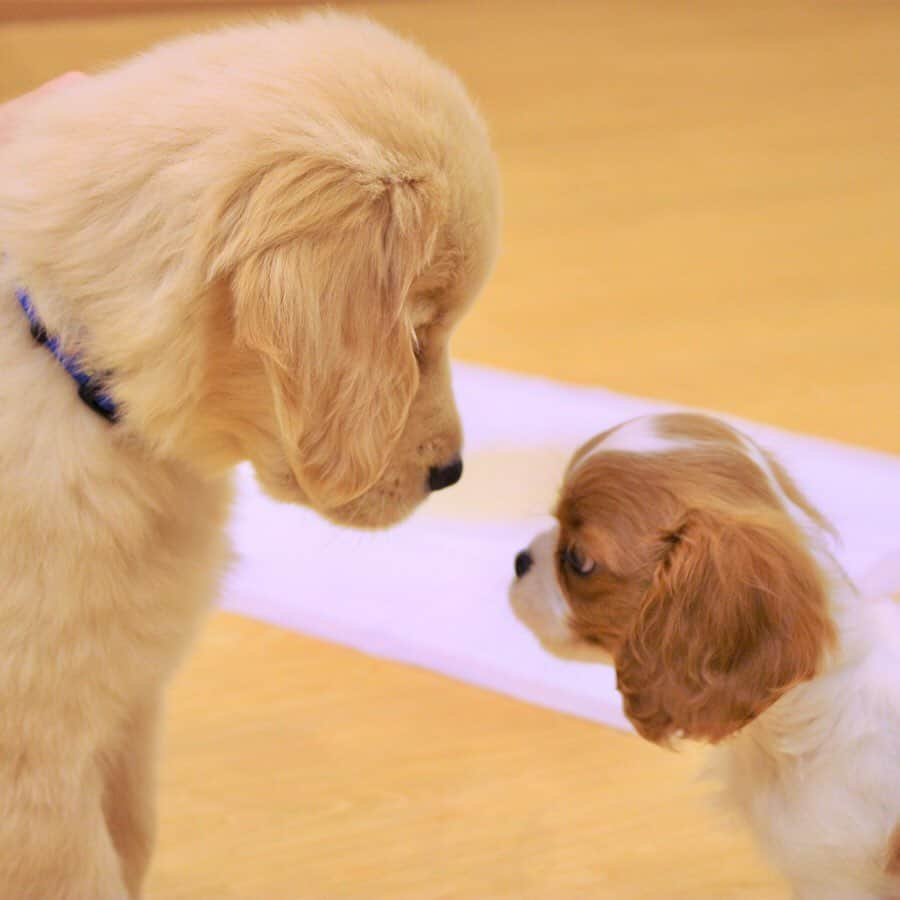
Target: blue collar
[(90, 389)]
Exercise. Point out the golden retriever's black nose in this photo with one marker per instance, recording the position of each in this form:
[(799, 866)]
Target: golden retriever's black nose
[(440, 477), (524, 561)]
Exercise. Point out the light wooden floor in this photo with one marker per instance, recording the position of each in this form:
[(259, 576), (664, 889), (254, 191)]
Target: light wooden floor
[(702, 205)]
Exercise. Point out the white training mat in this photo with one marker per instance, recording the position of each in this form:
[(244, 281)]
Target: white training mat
[(433, 592)]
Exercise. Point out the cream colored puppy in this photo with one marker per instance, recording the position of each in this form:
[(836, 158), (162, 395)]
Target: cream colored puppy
[(248, 245)]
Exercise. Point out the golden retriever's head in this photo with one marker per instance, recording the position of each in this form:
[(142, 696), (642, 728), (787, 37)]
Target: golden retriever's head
[(269, 251), (348, 252)]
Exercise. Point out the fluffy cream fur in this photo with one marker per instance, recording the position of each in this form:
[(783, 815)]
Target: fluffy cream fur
[(266, 235)]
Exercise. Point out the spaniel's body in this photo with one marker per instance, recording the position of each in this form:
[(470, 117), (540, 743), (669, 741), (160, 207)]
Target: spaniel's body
[(259, 241), (817, 776), (687, 556)]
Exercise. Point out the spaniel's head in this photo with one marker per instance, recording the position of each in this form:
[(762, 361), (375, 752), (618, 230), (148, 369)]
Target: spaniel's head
[(681, 555)]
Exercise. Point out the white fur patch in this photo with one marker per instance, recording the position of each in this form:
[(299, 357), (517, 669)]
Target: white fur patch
[(537, 599), (538, 602)]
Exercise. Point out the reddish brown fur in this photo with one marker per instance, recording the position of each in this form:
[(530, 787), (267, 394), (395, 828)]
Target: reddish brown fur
[(696, 428), (735, 617), (616, 501), (703, 429), (703, 589)]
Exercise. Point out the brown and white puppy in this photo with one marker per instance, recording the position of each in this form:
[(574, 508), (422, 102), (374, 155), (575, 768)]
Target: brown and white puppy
[(259, 242), (687, 557)]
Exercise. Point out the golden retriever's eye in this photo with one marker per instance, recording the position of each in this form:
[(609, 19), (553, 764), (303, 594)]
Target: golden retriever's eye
[(577, 562)]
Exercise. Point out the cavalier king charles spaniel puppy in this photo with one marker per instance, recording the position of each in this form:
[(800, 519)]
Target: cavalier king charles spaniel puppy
[(686, 556)]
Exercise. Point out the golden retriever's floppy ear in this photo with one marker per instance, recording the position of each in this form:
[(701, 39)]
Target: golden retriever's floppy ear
[(320, 255), (735, 615)]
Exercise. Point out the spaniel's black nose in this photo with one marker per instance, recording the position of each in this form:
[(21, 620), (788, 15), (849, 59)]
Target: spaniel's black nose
[(524, 561), (440, 477)]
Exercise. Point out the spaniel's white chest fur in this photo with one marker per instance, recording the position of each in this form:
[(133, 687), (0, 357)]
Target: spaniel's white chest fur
[(818, 775)]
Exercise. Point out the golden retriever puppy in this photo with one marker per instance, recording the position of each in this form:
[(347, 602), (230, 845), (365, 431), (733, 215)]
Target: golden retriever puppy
[(247, 245)]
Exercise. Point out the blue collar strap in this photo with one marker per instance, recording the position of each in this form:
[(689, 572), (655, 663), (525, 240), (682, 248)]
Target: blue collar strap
[(90, 389)]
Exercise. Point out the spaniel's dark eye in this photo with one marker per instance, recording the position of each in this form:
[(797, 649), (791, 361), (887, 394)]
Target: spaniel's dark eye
[(577, 561)]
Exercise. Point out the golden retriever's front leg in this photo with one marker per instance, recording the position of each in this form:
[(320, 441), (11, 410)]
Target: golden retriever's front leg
[(129, 794), (54, 842)]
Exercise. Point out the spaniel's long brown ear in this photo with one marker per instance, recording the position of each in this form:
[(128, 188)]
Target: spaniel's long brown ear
[(320, 255), (734, 617)]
